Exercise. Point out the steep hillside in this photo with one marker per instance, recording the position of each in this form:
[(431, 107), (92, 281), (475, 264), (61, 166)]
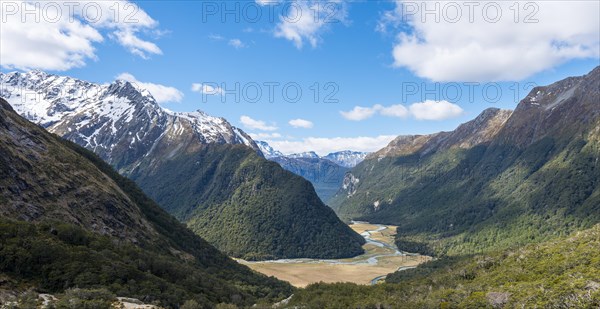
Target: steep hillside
[(68, 220), (127, 128), (247, 206), (499, 180), (558, 274), (373, 184)]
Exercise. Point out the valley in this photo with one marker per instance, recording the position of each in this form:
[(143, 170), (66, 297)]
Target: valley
[(381, 257)]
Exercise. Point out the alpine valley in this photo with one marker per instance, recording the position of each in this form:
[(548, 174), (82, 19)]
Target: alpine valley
[(347, 154), (507, 204)]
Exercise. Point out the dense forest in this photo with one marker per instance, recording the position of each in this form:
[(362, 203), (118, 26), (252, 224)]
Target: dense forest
[(247, 206), (55, 257)]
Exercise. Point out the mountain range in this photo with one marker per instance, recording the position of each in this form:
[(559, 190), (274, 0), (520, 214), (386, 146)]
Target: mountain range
[(345, 158), (508, 202), (207, 173), (325, 173), (505, 178)]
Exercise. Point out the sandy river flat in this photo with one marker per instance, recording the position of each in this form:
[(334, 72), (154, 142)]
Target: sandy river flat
[(380, 258)]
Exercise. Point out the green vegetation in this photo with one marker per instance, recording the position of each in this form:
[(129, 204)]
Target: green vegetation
[(55, 257), (247, 206), (465, 201), (562, 273), (86, 299)]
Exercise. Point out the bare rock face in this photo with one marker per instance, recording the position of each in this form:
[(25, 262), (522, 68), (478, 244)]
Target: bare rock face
[(349, 184), (565, 108), (498, 300), (475, 132)]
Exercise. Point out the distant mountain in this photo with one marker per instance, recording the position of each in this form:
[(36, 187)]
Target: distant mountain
[(268, 151), (325, 173), (195, 166), (304, 155), (346, 158), (67, 220), (502, 179), (326, 176)]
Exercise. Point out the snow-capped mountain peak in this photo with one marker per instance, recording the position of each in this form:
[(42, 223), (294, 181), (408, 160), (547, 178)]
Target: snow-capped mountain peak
[(116, 120), (308, 155), (346, 158), (268, 151)]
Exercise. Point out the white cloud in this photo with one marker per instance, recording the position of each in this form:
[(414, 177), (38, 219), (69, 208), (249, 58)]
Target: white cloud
[(394, 111), (256, 124), (324, 146), (479, 50), (135, 45), (428, 110), (301, 123), (45, 45), (216, 37), (307, 19), (236, 43), (359, 113), (435, 110), (263, 136), (162, 94), (61, 35), (268, 2), (207, 89)]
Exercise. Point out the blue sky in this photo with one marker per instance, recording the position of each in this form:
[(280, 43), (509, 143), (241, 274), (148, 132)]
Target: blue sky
[(386, 72)]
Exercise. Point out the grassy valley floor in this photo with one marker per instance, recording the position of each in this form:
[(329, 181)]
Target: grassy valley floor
[(381, 257)]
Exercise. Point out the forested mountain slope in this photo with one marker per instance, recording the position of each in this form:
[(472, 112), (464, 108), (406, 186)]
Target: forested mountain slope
[(247, 206), (68, 220), (502, 179)]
